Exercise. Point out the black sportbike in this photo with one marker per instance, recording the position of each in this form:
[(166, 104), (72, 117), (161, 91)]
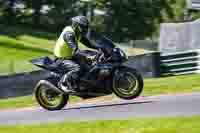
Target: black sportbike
[(103, 72)]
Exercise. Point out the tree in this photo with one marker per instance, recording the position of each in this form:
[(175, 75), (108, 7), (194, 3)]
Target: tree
[(124, 20), (135, 19), (56, 10), (8, 11)]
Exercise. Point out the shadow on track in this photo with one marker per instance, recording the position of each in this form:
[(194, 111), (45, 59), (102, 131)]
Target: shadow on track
[(106, 105)]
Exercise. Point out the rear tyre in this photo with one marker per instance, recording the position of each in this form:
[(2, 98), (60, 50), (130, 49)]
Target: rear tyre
[(49, 99), (127, 83)]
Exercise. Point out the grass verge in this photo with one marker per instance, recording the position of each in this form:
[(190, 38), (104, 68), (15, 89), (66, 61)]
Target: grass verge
[(26, 101), (164, 125), (20, 44), (168, 85), (15, 55)]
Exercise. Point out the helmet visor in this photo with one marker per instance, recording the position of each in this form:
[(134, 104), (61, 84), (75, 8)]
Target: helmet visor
[(84, 29)]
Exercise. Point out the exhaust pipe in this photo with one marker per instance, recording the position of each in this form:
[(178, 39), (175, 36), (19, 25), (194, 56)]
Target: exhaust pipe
[(49, 85)]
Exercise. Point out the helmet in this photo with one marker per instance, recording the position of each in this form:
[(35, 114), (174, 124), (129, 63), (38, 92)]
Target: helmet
[(80, 24)]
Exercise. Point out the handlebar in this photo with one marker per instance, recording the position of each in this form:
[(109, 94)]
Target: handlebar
[(100, 58)]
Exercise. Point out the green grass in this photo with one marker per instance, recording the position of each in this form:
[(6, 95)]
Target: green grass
[(162, 125), (20, 44), (26, 101), (15, 55), (19, 102), (168, 85), (176, 84)]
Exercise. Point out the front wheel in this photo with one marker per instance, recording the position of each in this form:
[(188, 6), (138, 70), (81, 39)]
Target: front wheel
[(127, 83), (48, 98)]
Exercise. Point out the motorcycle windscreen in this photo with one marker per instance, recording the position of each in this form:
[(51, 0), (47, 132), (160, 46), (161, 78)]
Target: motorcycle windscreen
[(105, 43), (101, 41)]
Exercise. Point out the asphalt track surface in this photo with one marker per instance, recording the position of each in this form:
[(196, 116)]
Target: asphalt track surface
[(182, 105)]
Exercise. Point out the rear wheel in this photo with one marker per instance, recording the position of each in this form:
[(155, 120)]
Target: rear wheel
[(49, 99), (127, 83)]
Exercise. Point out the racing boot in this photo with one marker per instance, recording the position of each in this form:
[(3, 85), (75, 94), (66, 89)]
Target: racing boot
[(65, 85)]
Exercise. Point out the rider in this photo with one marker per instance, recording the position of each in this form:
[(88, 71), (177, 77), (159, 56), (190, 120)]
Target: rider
[(67, 47)]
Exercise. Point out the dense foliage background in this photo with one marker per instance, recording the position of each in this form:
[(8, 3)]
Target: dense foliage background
[(124, 20)]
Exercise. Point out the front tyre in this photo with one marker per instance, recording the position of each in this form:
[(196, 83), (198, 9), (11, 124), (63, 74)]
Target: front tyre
[(127, 83), (49, 99)]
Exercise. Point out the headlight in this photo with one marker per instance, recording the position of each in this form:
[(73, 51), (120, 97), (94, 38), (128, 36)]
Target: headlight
[(122, 54)]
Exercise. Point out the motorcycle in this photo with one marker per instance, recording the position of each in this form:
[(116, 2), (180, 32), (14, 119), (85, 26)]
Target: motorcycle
[(103, 72)]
